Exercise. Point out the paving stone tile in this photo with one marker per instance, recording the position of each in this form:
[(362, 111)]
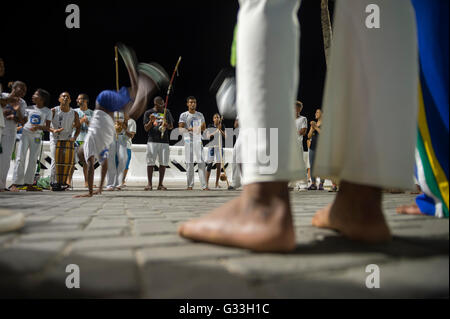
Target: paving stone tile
[(128, 242)]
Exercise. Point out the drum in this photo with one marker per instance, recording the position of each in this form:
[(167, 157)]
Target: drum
[(64, 160)]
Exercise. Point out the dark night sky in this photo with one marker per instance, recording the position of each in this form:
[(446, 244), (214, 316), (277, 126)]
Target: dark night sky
[(39, 50)]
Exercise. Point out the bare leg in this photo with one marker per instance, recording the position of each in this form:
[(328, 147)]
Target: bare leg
[(149, 178), (125, 172), (356, 213), (218, 168), (260, 220), (162, 172), (208, 174)]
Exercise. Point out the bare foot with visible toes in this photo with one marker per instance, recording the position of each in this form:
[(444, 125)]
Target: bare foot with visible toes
[(259, 220)]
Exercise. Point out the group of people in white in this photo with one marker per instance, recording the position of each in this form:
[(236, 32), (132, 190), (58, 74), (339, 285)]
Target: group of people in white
[(22, 131)]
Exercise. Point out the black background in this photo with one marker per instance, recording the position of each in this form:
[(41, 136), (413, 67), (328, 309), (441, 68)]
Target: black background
[(38, 48)]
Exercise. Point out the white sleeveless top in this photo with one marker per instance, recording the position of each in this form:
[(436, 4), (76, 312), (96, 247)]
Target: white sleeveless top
[(65, 120)]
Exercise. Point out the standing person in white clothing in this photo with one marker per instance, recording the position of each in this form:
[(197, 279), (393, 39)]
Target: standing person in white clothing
[(14, 112), (371, 74), (85, 116), (301, 124), (39, 119), (64, 119), (192, 124), (117, 157), (130, 133), (9, 220)]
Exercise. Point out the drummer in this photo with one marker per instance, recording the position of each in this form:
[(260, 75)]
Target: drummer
[(64, 119)]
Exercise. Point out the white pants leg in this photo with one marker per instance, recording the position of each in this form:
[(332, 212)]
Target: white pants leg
[(202, 174), (236, 169), (369, 126), (112, 169), (5, 157), (190, 174), (19, 167), (53, 166), (122, 157), (267, 79), (35, 148)]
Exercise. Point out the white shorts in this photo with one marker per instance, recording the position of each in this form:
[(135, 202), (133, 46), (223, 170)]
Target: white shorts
[(90, 149), (306, 159), (157, 150), (214, 155)]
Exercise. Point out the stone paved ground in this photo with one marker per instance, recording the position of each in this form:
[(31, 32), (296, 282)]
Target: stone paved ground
[(125, 244)]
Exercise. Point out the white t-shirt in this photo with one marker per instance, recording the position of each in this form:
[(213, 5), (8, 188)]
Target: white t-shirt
[(62, 120), (37, 116), (301, 123), (191, 121), (11, 125), (101, 134), (131, 129)]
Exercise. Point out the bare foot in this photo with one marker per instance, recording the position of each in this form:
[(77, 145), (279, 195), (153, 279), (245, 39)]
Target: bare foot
[(356, 213), (259, 220), (412, 209), (14, 189)]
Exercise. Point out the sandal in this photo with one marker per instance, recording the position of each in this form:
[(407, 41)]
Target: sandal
[(148, 188), (162, 188)]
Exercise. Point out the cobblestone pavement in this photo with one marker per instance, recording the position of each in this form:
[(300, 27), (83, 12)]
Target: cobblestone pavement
[(126, 246)]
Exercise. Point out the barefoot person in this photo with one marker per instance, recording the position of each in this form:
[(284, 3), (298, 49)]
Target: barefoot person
[(39, 119), (301, 124), (130, 133), (192, 124), (117, 156), (14, 112), (100, 136), (85, 115), (64, 120), (158, 141), (432, 158), (260, 219), (146, 80), (216, 131), (364, 110), (313, 135)]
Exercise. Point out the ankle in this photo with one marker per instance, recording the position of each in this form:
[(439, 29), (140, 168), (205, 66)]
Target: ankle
[(266, 191)]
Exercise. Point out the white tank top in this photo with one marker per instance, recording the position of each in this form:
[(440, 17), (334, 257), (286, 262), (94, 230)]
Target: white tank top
[(64, 120)]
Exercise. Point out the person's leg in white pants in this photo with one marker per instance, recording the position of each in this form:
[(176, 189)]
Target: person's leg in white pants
[(112, 168), (19, 167), (371, 87), (267, 66), (5, 157), (190, 174), (122, 161), (236, 169), (53, 165), (35, 148)]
